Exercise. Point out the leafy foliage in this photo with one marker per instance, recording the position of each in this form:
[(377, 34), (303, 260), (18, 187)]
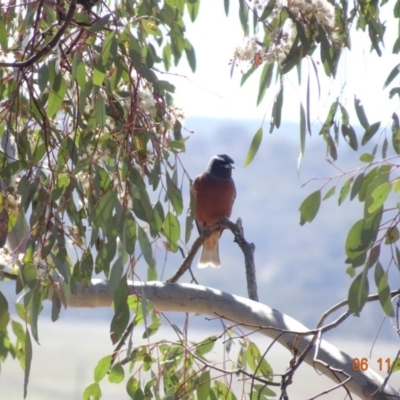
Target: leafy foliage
[(93, 124), (88, 126)]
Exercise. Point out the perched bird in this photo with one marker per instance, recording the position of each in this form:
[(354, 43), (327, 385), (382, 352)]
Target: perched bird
[(215, 192)]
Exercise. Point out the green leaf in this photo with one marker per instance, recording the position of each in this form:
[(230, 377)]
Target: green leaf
[(3, 35), (265, 80), (190, 53), (133, 389), (172, 231), (366, 182), (396, 133), (145, 246), (358, 293), (381, 280), (4, 314), (100, 23), (193, 9), (205, 346), (396, 185), (226, 7), (204, 385), (345, 190), (329, 193), (157, 220), (117, 373), (107, 47), (393, 73), (309, 207), (367, 158), (268, 10), (117, 271), (302, 129), (379, 196), (56, 96), (174, 195), (36, 308), (151, 330), (102, 368), (356, 185), (28, 361), (277, 110), (244, 16), (361, 113), (247, 75), (396, 365), (92, 392), (358, 239), (350, 136), (370, 132), (120, 319), (254, 146), (98, 77), (150, 27), (29, 275), (392, 235)]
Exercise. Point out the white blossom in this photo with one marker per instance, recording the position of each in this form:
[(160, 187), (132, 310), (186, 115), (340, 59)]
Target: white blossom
[(247, 51), (321, 10), (146, 101)]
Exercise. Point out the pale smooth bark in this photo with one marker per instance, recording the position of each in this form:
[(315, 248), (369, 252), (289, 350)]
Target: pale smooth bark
[(193, 298)]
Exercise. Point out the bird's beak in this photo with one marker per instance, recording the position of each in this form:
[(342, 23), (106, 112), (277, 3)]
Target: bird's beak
[(230, 166)]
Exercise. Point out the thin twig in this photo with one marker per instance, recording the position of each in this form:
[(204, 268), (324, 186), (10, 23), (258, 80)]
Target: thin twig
[(52, 43)]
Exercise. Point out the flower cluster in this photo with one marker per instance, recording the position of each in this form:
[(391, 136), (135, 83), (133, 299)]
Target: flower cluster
[(281, 32), (307, 11), (247, 51)]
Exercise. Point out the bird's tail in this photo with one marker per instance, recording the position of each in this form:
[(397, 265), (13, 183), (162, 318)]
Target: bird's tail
[(210, 252)]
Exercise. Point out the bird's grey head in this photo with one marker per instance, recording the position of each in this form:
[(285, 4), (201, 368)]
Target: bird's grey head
[(221, 166)]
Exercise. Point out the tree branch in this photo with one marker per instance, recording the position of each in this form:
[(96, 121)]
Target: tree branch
[(254, 316), (52, 43), (247, 249)]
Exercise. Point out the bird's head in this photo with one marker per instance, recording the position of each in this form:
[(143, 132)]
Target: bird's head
[(220, 166)]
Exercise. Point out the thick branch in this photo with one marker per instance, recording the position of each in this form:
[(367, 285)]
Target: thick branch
[(253, 315)]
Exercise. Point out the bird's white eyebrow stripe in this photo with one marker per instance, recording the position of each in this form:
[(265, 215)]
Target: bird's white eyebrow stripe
[(219, 158)]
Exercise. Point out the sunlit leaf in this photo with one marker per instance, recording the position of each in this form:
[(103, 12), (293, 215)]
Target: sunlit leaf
[(117, 373), (102, 368), (379, 196), (367, 158), (92, 392), (309, 207), (345, 190), (171, 229), (329, 193), (254, 146)]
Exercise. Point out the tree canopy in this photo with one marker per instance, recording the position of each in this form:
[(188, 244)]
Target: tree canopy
[(90, 167)]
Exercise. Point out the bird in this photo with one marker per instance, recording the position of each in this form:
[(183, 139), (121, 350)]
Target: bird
[(214, 192)]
